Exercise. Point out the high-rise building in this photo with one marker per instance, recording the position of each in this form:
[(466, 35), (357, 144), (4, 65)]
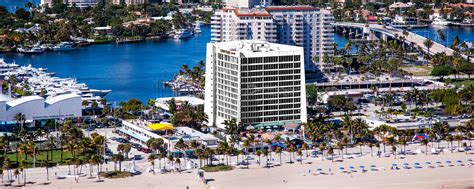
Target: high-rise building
[(78, 3), (254, 82), (304, 26)]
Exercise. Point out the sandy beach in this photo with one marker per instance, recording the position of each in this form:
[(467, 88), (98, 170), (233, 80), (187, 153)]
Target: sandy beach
[(297, 175)]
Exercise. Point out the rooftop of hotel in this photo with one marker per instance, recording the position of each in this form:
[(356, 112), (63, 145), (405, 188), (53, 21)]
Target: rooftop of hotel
[(265, 11), (248, 47)]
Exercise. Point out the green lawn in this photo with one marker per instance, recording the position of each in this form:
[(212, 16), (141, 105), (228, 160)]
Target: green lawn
[(217, 168), (40, 156), (418, 70)]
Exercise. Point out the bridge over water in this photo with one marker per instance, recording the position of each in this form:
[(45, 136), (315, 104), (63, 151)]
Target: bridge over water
[(377, 31)]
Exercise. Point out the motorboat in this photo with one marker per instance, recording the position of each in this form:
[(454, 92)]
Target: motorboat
[(64, 46), (440, 22), (183, 33), (31, 50)]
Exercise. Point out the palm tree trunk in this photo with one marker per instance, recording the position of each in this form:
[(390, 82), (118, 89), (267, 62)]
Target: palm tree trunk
[(47, 172), (98, 175), (280, 159)]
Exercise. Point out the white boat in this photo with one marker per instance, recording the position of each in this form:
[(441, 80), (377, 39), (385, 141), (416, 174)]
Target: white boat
[(183, 33), (64, 46), (32, 50), (440, 22)]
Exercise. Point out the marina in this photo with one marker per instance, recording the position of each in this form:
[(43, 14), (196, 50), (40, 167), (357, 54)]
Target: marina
[(130, 70), (38, 81)]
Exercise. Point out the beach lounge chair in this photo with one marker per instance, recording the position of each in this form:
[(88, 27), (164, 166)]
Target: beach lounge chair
[(319, 171), (352, 169), (406, 166), (459, 163), (417, 165), (439, 164), (470, 162), (429, 165), (342, 170), (373, 168), (449, 163), (362, 169), (394, 167)]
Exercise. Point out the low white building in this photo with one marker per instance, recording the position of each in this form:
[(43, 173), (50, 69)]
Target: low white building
[(37, 108), (163, 102)]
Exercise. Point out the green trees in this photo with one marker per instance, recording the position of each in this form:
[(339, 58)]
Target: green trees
[(428, 44), (442, 71), (151, 159)]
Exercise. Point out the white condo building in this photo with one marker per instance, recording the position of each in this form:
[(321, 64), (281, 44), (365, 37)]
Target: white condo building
[(254, 82), (304, 26)]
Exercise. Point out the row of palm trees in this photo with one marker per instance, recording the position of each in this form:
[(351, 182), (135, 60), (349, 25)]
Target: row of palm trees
[(82, 149)]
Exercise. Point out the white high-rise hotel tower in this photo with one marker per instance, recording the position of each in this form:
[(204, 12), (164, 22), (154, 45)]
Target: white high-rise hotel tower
[(303, 26), (254, 82)]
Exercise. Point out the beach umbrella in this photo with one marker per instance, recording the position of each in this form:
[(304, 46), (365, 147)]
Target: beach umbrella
[(362, 166), (250, 127), (341, 168)]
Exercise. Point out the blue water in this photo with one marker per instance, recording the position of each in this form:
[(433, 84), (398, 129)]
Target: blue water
[(135, 70), (464, 34), (11, 5)]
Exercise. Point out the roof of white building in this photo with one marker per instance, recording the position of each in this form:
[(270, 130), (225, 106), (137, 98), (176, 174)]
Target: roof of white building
[(194, 133), (252, 48), (60, 98), (23, 100)]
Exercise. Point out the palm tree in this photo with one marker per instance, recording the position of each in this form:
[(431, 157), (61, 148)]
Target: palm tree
[(458, 138), (258, 153), (428, 44), (331, 152), (340, 146), (265, 153), (321, 148), (291, 149), (371, 145), (96, 160), (6, 167), (151, 159), (118, 158), (279, 151), (305, 148), (23, 167), (20, 118), (178, 161), (45, 164), (425, 142), (394, 151), (300, 153), (171, 159)]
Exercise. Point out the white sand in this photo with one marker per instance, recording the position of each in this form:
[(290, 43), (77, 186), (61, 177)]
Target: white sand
[(296, 176)]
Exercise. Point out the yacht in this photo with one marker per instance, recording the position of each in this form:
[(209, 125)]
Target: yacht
[(32, 50), (47, 47), (183, 33), (64, 46), (440, 22)]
